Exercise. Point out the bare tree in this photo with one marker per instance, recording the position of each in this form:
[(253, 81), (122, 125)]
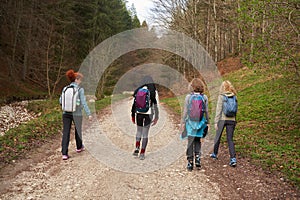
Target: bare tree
[(19, 8)]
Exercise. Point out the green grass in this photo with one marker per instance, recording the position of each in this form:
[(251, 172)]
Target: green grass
[(27, 135), (268, 129), (174, 103), (99, 105), (272, 138)]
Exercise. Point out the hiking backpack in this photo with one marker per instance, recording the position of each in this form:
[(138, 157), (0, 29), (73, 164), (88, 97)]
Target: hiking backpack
[(230, 106), (142, 100), (70, 98), (196, 107)]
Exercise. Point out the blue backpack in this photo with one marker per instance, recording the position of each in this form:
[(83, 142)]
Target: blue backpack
[(196, 107), (230, 106), (142, 100)]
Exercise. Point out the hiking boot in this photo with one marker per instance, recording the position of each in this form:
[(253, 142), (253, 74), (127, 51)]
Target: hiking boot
[(65, 157), (136, 152), (232, 162), (214, 156), (80, 150), (190, 165), (142, 156), (198, 161)]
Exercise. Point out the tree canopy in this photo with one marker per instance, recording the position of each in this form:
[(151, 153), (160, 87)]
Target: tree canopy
[(41, 39)]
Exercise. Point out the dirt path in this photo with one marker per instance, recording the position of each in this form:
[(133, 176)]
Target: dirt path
[(107, 169)]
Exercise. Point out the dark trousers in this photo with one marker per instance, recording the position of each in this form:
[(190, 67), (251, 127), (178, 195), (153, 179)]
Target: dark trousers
[(143, 125), (193, 147), (67, 123), (230, 126)]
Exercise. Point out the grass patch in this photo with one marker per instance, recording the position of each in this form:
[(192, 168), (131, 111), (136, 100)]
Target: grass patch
[(174, 103), (268, 119), (100, 104), (33, 133), (272, 136)]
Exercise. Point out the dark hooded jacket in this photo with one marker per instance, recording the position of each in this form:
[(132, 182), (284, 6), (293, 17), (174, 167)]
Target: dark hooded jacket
[(149, 83)]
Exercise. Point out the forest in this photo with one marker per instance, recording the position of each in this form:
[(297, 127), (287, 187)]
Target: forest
[(40, 40), (255, 44), (264, 32)]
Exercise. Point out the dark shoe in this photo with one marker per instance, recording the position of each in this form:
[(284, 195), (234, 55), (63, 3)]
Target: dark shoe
[(232, 162), (136, 152), (198, 161), (190, 165)]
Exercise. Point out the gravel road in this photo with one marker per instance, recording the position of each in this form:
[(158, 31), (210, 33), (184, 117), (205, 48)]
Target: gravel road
[(107, 169)]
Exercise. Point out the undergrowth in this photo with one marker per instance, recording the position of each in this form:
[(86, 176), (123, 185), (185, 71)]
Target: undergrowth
[(33, 133)]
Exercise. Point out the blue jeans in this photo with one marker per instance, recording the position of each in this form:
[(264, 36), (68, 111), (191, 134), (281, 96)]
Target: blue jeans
[(230, 126), (67, 123)]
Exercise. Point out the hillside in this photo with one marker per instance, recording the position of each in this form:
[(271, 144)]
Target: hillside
[(268, 129), (267, 133)]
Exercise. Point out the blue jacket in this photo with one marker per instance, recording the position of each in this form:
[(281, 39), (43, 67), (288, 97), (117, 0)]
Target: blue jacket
[(195, 128)]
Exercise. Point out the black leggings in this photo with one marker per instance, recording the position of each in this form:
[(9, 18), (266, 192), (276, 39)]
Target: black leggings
[(193, 147), (230, 126), (143, 122), (67, 123)]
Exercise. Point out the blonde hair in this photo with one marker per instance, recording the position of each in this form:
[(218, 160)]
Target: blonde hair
[(227, 86), (196, 85)]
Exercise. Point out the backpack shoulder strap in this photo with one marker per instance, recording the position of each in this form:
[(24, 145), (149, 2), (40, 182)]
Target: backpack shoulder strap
[(204, 101), (234, 96), (190, 97), (67, 87), (202, 97), (225, 98)]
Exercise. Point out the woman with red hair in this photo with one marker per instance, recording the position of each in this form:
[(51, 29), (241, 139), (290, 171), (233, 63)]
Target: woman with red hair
[(68, 117)]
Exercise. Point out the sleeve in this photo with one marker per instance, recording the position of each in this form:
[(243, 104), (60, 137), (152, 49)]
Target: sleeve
[(185, 108), (83, 102), (153, 96), (206, 109), (60, 98), (219, 109), (133, 109), (155, 105)]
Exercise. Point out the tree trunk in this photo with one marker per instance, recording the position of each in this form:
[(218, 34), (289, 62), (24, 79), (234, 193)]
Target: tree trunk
[(239, 30), (58, 76), (48, 59), (208, 28), (215, 33), (28, 43), (17, 29), (252, 36)]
